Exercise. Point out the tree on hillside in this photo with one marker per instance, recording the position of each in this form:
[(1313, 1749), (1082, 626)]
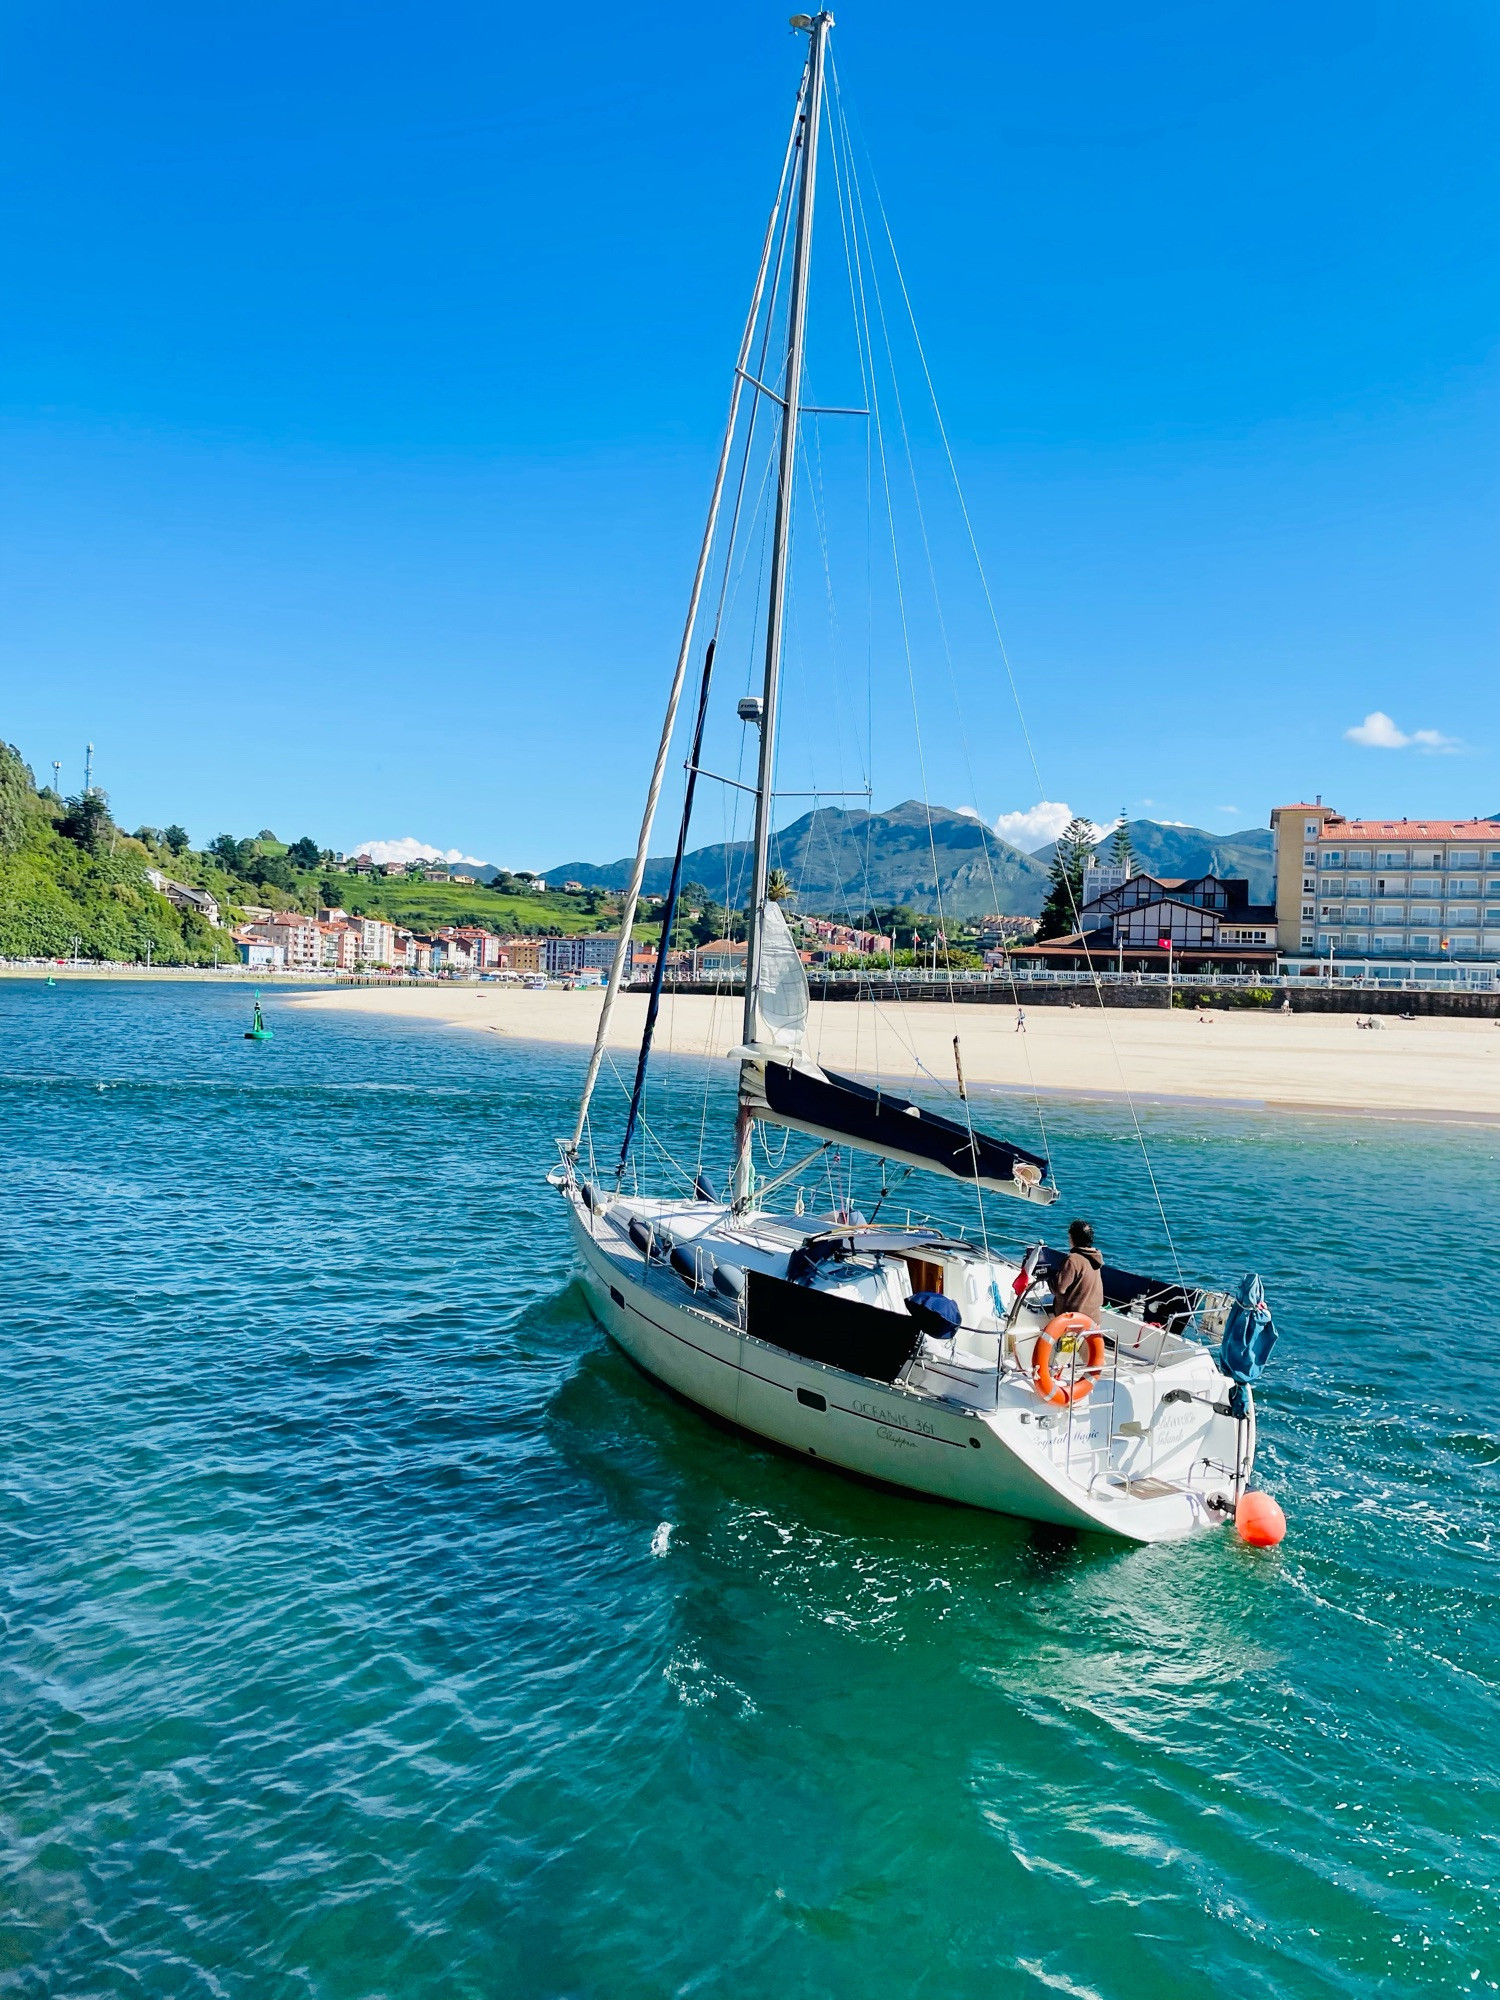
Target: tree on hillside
[(1070, 857), (175, 837), (304, 853), (86, 821), (231, 854), (1120, 850), (17, 790), (272, 871)]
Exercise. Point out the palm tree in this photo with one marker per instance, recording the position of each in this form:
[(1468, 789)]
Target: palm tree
[(778, 885)]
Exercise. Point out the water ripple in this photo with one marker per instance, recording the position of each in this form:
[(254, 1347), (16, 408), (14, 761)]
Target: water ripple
[(371, 1627)]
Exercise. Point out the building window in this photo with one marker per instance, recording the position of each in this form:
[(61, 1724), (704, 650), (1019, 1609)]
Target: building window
[(1393, 857), (1467, 859), (1355, 915), (1310, 829), (1359, 857), (1334, 858), (1458, 887)]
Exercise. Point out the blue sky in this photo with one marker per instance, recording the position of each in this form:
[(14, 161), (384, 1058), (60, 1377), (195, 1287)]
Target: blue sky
[(361, 373)]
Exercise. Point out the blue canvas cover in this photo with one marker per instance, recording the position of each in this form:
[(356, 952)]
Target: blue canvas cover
[(1249, 1336), (935, 1313)]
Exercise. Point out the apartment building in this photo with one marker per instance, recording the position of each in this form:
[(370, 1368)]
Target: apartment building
[(1388, 898), (299, 938), (563, 956), (482, 947), (520, 954)]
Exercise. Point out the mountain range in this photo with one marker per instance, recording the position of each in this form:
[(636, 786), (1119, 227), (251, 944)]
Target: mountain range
[(841, 862)]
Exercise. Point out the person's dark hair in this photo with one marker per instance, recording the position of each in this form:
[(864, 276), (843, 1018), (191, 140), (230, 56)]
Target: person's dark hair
[(1081, 1235)]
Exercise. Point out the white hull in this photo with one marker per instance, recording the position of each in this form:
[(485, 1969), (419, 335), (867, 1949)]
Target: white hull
[(972, 1434)]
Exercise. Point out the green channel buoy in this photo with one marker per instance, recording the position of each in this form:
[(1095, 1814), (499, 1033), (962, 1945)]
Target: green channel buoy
[(257, 1030)]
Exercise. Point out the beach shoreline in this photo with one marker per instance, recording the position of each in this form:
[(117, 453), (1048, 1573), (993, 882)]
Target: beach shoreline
[(1427, 1070)]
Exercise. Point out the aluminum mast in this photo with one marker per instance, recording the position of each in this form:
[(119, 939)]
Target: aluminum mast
[(637, 873), (816, 27)]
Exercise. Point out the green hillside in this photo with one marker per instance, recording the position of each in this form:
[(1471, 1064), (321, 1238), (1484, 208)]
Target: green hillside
[(71, 879)]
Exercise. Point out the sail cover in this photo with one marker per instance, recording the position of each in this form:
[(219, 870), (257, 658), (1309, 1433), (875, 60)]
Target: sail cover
[(852, 1114), (780, 985)]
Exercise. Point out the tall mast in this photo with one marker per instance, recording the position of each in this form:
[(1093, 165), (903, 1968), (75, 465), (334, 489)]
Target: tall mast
[(648, 821), (816, 27)]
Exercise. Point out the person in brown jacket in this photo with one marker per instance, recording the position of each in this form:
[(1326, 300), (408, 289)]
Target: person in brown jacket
[(1078, 1287)]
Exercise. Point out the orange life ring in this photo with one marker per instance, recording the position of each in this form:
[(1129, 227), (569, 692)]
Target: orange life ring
[(1068, 1327)]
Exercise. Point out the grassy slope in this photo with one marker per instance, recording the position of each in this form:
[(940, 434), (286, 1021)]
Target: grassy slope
[(424, 906)]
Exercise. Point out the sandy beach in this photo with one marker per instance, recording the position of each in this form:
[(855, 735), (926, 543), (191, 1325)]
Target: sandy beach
[(1442, 1069)]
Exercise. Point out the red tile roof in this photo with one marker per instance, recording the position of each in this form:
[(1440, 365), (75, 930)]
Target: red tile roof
[(1345, 830)]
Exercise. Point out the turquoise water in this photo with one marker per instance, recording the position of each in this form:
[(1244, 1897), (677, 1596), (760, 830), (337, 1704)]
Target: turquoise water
[(337, 1660)]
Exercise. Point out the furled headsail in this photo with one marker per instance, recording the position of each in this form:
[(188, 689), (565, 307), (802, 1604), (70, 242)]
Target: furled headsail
[(780, 985), (828, 1106)]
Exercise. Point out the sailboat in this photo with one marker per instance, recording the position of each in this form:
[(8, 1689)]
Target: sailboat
[(922, 1357)]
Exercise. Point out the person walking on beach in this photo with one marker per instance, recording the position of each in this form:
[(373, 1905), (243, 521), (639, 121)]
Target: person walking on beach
[(1020, 1020), (1078, 1286)]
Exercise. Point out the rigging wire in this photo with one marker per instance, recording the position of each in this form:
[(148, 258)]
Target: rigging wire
[(885, 480), (1095, 979), (857, 195)]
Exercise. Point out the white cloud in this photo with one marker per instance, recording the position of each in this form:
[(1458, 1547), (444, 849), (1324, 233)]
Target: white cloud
[(1226, 809), (1038, 824), (410, 849), (1379, 732)]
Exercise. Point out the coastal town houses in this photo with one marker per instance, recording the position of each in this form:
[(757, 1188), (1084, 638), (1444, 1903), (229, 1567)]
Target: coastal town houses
[(1391, 901), (332, 941), (828, 939)]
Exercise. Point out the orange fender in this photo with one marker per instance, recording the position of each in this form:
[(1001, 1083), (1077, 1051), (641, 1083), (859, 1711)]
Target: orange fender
[(1068, 1327)]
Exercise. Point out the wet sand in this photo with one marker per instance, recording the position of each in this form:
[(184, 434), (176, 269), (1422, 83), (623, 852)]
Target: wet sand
[(1414, 1069)]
